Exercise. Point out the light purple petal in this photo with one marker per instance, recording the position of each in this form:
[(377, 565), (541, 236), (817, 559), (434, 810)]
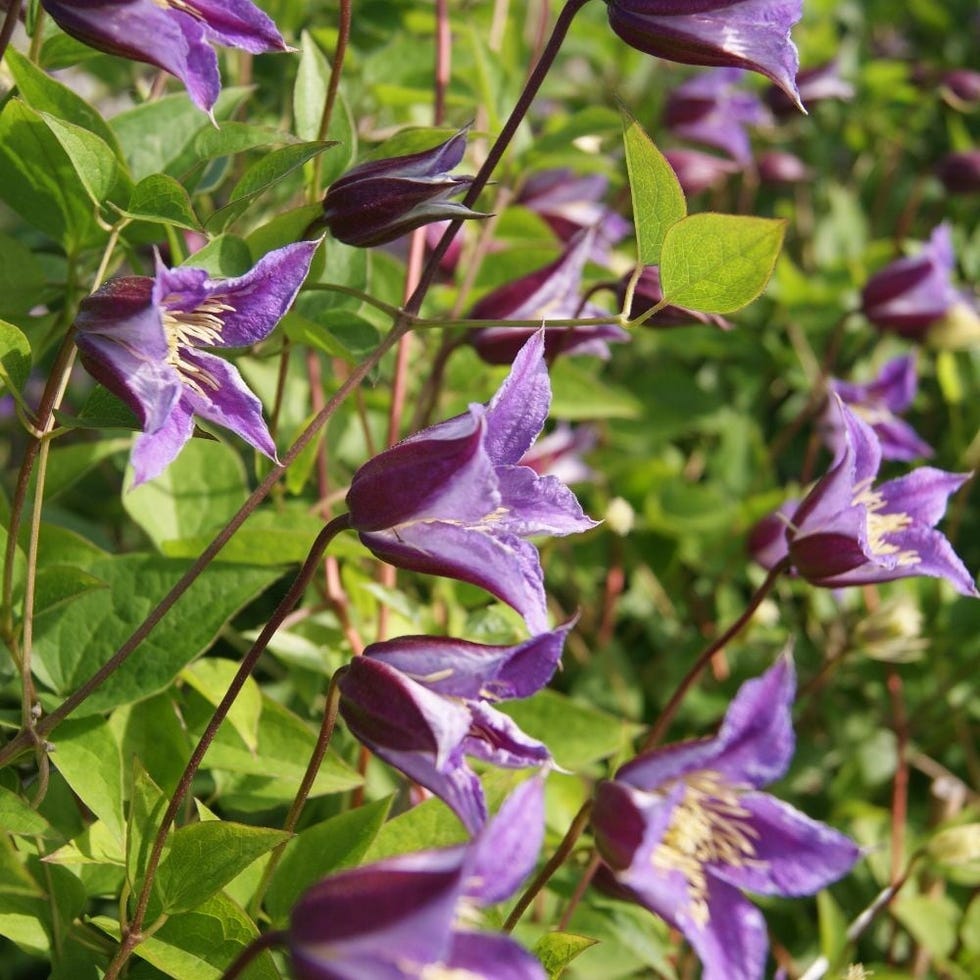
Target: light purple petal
[(753, 747), (503, 564), (794, 855), (507, 850), (516, 414), (477, 954), (154, 451), (535, 504), (496, 738), (921, 494), (897, 383), (239, 24), (232, 404), (900, 441)]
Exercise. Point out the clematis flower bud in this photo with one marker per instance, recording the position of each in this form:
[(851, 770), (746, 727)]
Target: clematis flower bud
[(776, 167), (174, 36), (960, 172), (381, 200), (751, 34)]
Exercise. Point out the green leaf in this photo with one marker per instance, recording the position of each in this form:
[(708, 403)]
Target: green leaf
[(577, 734), (160, 198), (340, 842), (59, 584), (310, 90), (211, 677), (96, 845), (22, 280), (145, 813), (87, 755), (658, 201), (17, 817), (931, 921), (718, 263), (45, 94), (68, 464), (203, 857), (556, 950), (430, 824), (224, 255), (201, 944), (580, 394), (97, 166), (73, 642), (15, 352), (200, 490)]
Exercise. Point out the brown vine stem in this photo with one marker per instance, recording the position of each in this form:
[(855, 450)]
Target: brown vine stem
[(133, 934), (333, 86), (268, 940), (660, 726), (23, 740), (9, 23)]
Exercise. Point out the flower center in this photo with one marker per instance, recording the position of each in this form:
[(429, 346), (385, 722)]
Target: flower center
[(708, 826), (879, 525), (200, 327)]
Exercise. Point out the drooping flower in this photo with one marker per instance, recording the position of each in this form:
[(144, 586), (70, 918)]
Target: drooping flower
[(878, 402), (709, 109), (175, 35), (847, 531), (960, 172), (142, 338), (814, 84), (570, 203), (379, 201), (777, 167), (454, 500), (549, 293), (699, 171), (684, 830), (648, 294), (559, 454), (910, 295), (400, 918), (752, 34), (424, 703)]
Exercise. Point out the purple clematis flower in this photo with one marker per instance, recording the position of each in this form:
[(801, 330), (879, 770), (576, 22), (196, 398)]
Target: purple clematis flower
[(776, 167), (960, 172), (816, 84), (559, 454), (400, 917), (751, 34), (685, 829), (878, 402), (454, 500), (142, 337), (910, 295), (709, 109), (699, 171), (175, 35), (550, 293), (423, 703), (849, 532), (571, 203), (379, 201)]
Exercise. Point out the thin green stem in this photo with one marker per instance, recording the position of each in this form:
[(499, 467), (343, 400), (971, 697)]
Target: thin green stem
[(579, 822), (660, 726), (37, 39), (133, 935), (327, 726), (330, 287)]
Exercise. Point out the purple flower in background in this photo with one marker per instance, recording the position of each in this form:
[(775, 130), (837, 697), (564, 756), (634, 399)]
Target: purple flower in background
[(175, 35), (776, 167), (424, 703), (571, 203), (699, 171), (878, 403), (400, 917), (961, 87), (814, 85), (849, 532), (141, 337), (960, 172), (685, 830), (648, 294), (379, 201), (550, 293), (709, 109), (752, 34), (909, 295), (559, 454), (454, 500)]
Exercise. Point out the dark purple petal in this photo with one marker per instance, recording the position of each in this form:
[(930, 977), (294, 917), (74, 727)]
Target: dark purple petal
[(751, 34), (373, 918), (154, 451), (499, 345), (477, 954), (442, 472), (495, 738), (535, 504), (628, 823), (960, 172), (767, 542), (794, 855), (753, 747), (230, 404), (516, 414), (456, 668), (506, 851)]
